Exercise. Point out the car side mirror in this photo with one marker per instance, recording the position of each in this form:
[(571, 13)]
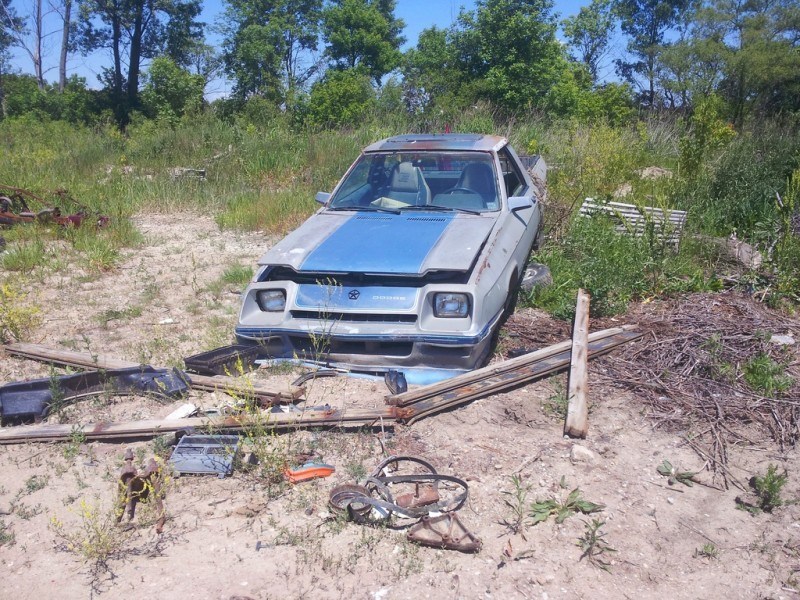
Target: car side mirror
[(519, 203), (322, 197)]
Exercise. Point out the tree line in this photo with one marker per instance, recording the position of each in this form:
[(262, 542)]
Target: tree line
[(328, 62)]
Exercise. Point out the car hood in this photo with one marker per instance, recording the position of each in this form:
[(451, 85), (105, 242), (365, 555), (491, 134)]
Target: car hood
[(383, 243)]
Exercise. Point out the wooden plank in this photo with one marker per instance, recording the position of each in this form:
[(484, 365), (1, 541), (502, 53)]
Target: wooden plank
[(410, 397), (232, 385), (550, 360), (509, 380), (154, 427), (577, 423)]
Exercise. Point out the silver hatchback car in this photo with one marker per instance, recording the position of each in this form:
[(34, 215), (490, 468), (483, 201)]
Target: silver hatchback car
[(411, 263)]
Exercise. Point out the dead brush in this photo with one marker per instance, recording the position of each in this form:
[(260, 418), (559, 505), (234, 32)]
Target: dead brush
[(708, 367)]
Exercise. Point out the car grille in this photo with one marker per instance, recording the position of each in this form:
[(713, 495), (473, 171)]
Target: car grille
[(333, 317), (318, 348)]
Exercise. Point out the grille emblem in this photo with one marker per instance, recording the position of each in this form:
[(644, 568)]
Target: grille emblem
[(353, 294)]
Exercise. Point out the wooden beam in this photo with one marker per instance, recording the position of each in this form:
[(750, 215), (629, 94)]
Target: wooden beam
[(417, 404), (231, 385), (577, 423), (417, 395), (258, 422)]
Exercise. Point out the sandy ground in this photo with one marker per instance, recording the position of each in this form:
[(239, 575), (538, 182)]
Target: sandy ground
[(163, 303)]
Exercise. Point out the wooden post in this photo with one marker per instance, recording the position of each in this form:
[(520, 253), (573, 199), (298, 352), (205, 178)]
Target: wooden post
[(577, 424)]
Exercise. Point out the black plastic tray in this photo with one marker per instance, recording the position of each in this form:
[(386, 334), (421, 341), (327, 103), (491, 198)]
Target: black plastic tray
[(222, 361)]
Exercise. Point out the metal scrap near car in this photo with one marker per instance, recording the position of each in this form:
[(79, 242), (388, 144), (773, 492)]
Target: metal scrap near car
[(430, 498), (411, 264)]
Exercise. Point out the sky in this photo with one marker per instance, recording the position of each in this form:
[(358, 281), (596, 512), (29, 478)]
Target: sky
[(417, 14)]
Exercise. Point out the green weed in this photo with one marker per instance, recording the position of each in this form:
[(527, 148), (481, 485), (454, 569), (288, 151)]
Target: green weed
[(594, 545), (26, 256), (708, 550), (766, 376), (517, 503), (18, 315), (768, 488), (675, 475), (541, 510)]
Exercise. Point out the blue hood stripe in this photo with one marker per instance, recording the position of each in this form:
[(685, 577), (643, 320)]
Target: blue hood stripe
[(382, 243)]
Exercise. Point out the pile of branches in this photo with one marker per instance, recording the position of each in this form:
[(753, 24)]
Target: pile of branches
[(691, 372)]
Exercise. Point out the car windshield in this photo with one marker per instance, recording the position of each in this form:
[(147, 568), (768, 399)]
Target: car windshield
[(464, 181)]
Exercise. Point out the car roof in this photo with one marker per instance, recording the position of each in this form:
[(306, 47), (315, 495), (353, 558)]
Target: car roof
[(439, 141)]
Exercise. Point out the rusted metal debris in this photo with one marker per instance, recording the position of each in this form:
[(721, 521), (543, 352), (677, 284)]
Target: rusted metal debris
[(135, 487), (406, 407), (14, 210), (444, 531), (433, 493)]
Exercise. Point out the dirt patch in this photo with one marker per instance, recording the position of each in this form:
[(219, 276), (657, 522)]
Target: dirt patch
[(670, 540)]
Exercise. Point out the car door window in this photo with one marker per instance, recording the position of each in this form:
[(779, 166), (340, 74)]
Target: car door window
[(512, 177)]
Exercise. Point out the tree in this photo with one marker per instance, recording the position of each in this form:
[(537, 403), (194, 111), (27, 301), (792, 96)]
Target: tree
[(509, 47), (65, 10), (29, 39), (364, 34), (170, 92), (134, 30), (589, 32), (269, 44), (9, 24), (342, 97), (432, 68), (646, 22)]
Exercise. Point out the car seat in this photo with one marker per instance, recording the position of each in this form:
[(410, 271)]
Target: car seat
[(475, 189), (408, 185)]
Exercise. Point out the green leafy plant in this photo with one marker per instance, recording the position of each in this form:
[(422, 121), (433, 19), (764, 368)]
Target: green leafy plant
[(541, 510), (767, 376), (594, 545), (667, 469)]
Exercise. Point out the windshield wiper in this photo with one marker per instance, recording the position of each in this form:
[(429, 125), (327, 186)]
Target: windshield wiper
[(392, 211), (438, 208)]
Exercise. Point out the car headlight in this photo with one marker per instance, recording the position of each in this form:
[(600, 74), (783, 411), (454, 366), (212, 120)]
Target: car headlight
[(451, 305), (271, 300)]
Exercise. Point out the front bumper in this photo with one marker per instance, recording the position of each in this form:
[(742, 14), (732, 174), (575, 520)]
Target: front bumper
[(375, 352)]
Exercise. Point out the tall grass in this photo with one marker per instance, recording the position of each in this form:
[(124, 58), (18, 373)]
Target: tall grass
[(262, 173)]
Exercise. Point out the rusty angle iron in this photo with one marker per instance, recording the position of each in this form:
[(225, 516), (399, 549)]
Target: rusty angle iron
[(444, 531)]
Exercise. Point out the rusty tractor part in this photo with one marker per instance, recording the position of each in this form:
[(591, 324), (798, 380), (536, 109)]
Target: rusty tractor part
[(444, 531), (135, 487), (14, 209)]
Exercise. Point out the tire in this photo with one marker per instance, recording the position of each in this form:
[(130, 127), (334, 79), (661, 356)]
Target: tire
[(535, 275)]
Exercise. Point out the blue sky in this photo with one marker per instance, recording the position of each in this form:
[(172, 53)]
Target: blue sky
[(417, 14)]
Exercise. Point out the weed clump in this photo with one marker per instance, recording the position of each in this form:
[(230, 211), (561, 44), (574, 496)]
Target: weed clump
[(768, 488)]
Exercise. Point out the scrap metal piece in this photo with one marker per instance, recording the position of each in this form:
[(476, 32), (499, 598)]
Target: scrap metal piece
[(205, 454), (444, 531), (135, 487), (423, 495), (395, 381), (227, 360), (351, 500), (32, 400)]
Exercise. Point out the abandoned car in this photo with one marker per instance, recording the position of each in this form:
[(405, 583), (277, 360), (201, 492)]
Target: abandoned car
[(410, 265)]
